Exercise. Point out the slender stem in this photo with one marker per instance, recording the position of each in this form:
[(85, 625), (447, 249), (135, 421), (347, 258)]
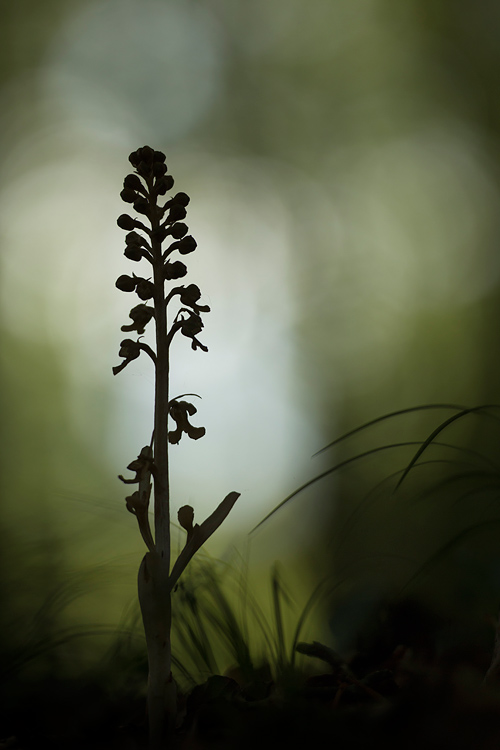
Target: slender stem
[(161, 483), (154, 590)]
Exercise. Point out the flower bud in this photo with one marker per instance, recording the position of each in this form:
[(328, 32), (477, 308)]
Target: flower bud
[(133, 238), (144, 289), (142, 206), (135, 157), (159, 169), (128, 195), (147, 154), (141, 315), (164, 184), (125, 283), (185, 516), (144, 169), (133, 252), (178, 230), (126, 222), (181, 198), (186, 245), (129, 349), (133, 182), (176, 213), (192, 325), (143, 461), (178, 411), (190, 294), (174, 270)]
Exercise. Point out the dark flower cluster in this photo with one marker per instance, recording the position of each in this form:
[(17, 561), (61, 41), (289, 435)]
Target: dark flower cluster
[(155, 231), (179, 411)]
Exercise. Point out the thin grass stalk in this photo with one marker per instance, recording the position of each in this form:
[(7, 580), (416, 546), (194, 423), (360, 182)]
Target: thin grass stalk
[(225, 622), (278, 619)]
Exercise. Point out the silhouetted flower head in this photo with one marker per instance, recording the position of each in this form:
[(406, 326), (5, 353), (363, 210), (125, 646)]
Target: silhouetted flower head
[(134, 238), (133, 252), (177, 231), (128, 195), (190, 326), (145, 289), (141, 315), (181, 199), (125, 283), (132, 182), (190, 295), (142, 465), (159, 168), (185, 246), (136, 246), (129, 350), (164, 184), (174, 270), (142, 206), (125, 221), (179, 411)]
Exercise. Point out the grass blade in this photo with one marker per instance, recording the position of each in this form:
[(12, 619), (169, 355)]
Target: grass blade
[(340, 465), (387, 416), (436, 432)]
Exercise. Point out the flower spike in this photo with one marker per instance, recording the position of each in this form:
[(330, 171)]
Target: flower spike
[(149, 222)]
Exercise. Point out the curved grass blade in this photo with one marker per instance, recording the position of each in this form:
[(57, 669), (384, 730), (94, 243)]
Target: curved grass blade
[(278, 618), (222, 616), (324, 474), (194, 648), (387, 416), (311, 602), (340, 465), (436, 432), (351, 519), (198, 638)]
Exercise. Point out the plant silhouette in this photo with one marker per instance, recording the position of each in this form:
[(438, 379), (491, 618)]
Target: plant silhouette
[(144, 189)]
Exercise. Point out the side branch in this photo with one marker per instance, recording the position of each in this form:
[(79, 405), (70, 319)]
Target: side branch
[(175, 327), (200, 534), (146, 348)]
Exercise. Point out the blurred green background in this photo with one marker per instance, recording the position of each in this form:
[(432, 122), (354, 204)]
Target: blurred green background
[(342, 162)]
